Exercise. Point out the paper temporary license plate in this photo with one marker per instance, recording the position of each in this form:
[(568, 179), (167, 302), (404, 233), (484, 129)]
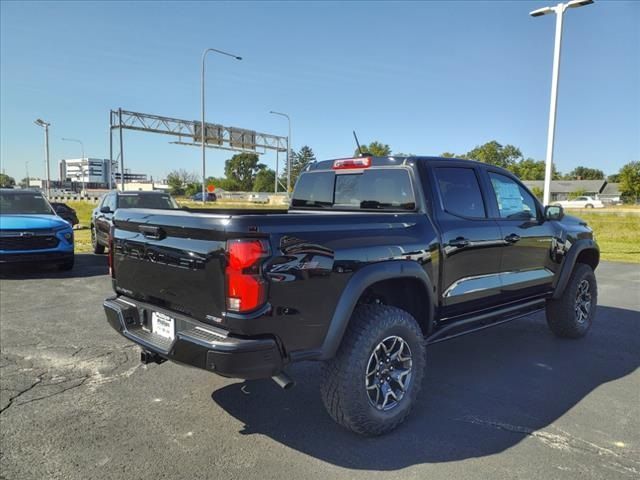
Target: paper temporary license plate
[(163, 325)]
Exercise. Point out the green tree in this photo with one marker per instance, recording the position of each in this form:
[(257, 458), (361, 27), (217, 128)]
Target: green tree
[(6, 181), (585, 173), (615, 178), (630, 182), (192, 188), (178, 180), (242, 168), (493, 153), (448, 155), (537, 191), (530, 169), (299, 160), (265, 180), (223, 183), (377, 149)]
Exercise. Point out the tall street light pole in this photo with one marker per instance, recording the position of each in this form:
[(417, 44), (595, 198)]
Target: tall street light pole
[(75, 140), (559, 10), (202, 126), (288, 149), (45, 125)]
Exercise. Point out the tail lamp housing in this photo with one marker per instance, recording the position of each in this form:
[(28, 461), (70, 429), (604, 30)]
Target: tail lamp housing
[(246, 287), (352, 163)]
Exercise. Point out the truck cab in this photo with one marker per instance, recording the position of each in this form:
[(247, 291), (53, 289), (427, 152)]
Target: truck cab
[(376, 258)]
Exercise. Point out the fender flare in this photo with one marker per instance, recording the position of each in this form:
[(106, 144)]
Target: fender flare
[(569, 262), (359, 282)]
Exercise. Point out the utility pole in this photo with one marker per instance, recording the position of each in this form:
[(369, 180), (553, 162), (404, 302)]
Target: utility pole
[(559, 10), (202, 125), (45, 125)]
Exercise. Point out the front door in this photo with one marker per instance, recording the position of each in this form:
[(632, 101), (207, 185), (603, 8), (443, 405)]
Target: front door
[(526, 266)]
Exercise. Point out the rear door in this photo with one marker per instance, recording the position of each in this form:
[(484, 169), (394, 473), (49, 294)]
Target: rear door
[(526, 265), (471, 240)]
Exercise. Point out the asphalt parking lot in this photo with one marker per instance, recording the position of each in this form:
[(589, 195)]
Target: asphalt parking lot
[(509, 402)]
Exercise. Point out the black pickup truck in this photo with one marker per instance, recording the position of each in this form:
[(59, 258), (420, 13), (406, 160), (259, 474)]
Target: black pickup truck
[(375, 259)]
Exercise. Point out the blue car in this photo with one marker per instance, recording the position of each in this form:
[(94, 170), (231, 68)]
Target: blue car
[(31, 232)]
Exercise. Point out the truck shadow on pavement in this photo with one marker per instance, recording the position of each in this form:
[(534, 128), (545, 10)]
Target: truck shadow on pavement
[(482, 394), (86, 265)]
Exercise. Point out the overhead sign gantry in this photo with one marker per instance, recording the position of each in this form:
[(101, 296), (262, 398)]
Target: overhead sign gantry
[(189, 132)]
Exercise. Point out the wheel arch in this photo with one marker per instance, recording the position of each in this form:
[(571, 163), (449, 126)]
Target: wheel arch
[(412, 283), (583, 251)]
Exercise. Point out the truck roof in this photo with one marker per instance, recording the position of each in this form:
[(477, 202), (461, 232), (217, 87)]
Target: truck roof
[(391, 161)]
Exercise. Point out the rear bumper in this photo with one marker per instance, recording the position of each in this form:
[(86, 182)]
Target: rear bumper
[(30, 257), (196, 344)]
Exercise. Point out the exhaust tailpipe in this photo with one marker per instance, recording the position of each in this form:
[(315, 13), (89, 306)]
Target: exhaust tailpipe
[(283, 381)]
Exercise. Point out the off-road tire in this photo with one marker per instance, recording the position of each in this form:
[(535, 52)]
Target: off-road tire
[(97, 248), (343, 378), (563, 317)]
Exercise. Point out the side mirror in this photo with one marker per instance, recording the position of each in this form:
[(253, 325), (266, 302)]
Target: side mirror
[(553, 212), (105, 209)]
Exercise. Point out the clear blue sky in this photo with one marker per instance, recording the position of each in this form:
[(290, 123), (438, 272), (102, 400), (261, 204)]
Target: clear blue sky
[(423, 77)]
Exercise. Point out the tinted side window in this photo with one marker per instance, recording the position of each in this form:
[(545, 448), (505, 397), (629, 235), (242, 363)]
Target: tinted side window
[(513, 200), (460, 191)]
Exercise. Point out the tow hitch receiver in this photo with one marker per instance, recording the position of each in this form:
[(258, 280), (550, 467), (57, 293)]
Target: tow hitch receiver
[(147, 357)]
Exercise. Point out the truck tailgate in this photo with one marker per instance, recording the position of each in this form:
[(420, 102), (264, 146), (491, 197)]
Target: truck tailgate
[(173, 259)]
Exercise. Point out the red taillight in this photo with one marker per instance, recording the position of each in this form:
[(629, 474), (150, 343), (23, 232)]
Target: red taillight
[(246, 288), (364, 162)]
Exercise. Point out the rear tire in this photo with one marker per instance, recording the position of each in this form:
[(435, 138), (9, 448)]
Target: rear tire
[(571, 315), (382, 351), (97, 248), (588, 205)]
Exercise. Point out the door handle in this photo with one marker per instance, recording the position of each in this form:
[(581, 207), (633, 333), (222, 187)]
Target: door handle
[(512, 238), (152, 232), (459, 242)]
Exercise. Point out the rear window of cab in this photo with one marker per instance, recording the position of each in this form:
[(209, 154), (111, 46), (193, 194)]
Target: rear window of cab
[(370, 189)]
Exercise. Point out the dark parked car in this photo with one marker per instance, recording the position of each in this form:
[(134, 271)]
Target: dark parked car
[(375, 259), (210, 197), (102, 215), (66, 212), (31, 232)]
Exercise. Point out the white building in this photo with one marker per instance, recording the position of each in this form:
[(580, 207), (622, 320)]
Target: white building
[(88, 170)]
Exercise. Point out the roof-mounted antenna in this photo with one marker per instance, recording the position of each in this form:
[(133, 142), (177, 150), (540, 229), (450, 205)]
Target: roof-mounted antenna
[(362, 153)]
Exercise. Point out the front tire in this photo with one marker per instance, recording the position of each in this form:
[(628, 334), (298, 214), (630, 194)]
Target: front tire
[(97, 248), (372, 383), (571, 315)]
